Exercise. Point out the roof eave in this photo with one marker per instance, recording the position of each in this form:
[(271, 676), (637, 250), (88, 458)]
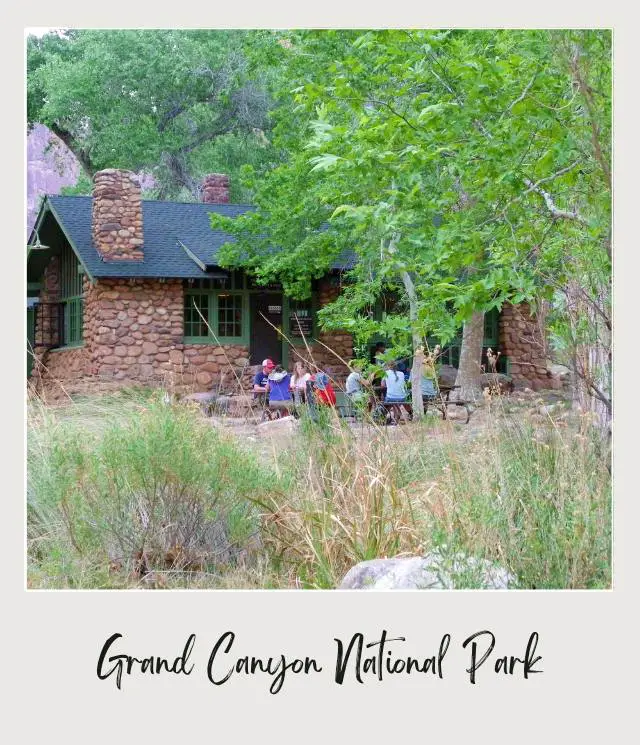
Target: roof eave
[(67, 235)]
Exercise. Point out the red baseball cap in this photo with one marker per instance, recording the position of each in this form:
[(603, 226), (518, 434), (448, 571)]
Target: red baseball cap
[(268, 363)]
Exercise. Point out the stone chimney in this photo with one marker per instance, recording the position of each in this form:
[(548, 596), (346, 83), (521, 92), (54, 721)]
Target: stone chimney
[(116, 223), (215, 189)]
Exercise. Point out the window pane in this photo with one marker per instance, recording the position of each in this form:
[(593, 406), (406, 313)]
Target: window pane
[(196, 315), (229, 315)]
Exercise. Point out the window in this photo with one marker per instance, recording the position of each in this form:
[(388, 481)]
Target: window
[(71, 301), (196, 314), (73, 321), (230, 315), (215, 315)]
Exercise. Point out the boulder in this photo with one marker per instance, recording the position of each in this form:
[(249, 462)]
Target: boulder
[(431, 572), (548, 409), (558, 371), (447, 375), (286, 425), (241, 405)]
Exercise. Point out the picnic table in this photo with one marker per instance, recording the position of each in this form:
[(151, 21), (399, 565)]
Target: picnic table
[(441, 401)]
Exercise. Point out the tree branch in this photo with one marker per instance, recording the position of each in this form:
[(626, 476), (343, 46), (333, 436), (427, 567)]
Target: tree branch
[(522, 96), (555, 211)]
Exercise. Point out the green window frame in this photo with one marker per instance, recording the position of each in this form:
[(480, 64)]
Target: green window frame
[(71, 299), (491, 325), (73, 321), (225, 317)]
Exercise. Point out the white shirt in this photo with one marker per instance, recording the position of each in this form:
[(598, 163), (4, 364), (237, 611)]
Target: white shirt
[(394, 381), (300, 382), (353, 383)]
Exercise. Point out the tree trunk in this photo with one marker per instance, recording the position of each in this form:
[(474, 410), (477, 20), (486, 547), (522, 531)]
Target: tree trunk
[(416, 339), (469, 370), (416, 343)]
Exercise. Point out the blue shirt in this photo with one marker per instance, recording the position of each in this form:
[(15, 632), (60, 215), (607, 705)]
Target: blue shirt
[(279, 389), (260, 378)]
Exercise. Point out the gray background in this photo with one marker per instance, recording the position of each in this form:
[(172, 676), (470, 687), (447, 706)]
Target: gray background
[(587, 639)]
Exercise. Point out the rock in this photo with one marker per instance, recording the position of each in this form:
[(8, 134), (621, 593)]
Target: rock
[(447, 375), (547, 410), (222, 404), (284, 426), (558, 371), (241, 405), (431, 572)]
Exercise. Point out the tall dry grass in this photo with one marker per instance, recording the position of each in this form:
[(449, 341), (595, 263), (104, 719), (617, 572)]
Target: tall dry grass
[(534, 500), (124, 488)]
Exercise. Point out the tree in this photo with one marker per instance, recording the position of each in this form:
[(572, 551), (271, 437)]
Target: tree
[(479, 156), (164, 101)]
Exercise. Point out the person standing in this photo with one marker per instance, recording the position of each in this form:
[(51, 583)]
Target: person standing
[(378, 353)]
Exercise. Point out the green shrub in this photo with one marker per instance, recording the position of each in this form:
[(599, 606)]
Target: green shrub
[(157, 489)]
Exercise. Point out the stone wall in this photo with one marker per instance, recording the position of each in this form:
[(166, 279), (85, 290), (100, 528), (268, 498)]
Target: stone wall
[(46, 331), (117, 215), (132, 326), (46, 328), (67, 364), (522, 341), (134, 332)]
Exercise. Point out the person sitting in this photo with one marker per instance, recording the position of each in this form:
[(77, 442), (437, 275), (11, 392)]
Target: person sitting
[(279, 387), (299, 380), (395, 388), (354, 385), (261, 378), (378, 353), (428, 387), (403, 367), (323, 390)]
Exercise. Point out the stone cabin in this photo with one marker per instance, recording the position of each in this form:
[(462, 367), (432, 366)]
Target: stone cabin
[(125, 289)]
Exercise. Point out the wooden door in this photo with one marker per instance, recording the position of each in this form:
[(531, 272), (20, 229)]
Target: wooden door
[(265, 341)]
